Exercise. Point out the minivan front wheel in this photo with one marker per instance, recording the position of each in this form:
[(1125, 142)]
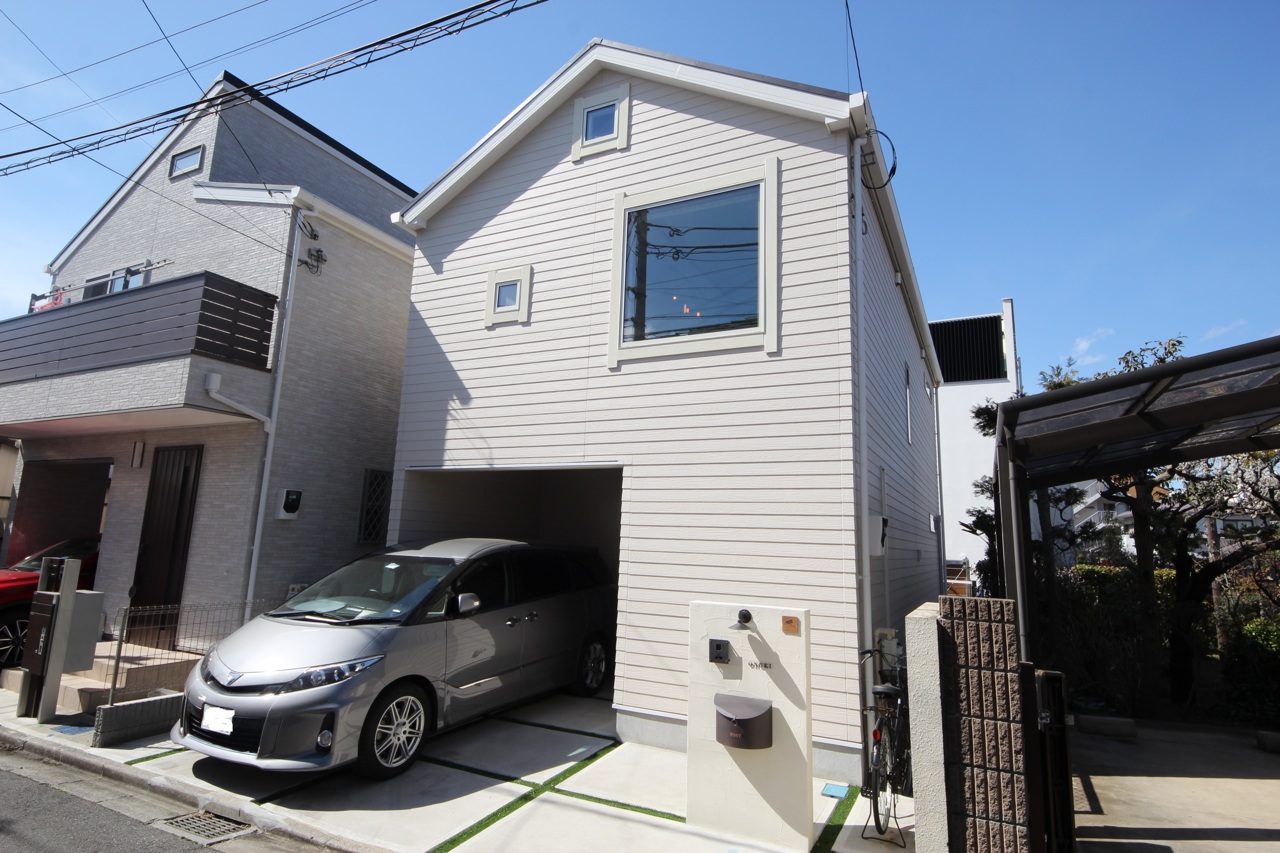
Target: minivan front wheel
[(13, 635), (593, 665), (393, 732)]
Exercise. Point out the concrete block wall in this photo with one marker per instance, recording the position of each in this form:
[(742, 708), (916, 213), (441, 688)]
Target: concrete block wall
[(982, 714)]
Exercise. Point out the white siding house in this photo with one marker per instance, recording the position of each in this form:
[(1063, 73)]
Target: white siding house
[(643, 319)]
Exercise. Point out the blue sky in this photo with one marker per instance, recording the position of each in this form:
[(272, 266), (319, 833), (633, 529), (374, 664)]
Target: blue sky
[(1111, 166)]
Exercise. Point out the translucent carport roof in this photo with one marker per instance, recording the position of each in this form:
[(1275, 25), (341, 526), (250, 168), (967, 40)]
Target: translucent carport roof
[(1208, 405)]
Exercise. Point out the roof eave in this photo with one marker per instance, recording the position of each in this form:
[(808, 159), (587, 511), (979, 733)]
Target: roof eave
[(830, 108)]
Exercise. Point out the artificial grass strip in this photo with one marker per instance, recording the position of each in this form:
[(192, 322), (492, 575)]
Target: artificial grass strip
[(835, 823), (486, 822), (165, 754), (527, 797), (619, 805)]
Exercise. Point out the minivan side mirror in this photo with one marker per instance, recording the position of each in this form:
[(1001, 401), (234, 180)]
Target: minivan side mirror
[(468, 603)]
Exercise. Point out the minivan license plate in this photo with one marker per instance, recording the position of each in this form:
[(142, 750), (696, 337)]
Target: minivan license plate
[(217, 719)]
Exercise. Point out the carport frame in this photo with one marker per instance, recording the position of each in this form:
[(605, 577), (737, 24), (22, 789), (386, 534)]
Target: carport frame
[(1215, 404)]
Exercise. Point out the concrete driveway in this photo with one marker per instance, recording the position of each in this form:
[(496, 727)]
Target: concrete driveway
[(1175, 789)]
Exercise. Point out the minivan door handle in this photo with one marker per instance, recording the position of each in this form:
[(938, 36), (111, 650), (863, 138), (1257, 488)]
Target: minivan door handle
[(513, 621), (533, 616)]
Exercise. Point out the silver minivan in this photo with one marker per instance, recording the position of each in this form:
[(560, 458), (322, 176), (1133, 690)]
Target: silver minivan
[(364, 664)]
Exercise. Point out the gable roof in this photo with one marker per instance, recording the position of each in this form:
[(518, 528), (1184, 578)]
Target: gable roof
[(824, 105), (837, 110), (226, 86)]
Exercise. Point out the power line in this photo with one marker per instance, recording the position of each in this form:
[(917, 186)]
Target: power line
[(360, 57), (353, 6), (221, 120), (141, 185), (94, 101), (68, 74)]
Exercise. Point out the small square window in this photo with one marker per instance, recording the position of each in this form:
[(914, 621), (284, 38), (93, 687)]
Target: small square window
[(508, 296), (186, 161), (601, 122)]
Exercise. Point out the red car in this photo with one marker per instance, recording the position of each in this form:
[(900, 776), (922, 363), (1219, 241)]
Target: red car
[(18, 586)]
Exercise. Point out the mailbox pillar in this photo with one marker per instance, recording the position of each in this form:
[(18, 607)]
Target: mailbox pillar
[(65, 623), (750, 732)]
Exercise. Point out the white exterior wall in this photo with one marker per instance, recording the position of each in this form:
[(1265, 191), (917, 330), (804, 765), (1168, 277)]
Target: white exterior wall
[(901, 469), (737, 466), (967, 454)]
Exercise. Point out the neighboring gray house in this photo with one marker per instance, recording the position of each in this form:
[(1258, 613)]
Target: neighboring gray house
[(657, 310), (229, 325)]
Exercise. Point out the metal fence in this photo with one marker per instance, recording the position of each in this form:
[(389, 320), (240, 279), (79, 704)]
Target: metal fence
[(155, 647)]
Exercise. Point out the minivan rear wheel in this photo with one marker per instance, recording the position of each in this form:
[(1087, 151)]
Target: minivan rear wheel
[(593, 665), (393, 732)]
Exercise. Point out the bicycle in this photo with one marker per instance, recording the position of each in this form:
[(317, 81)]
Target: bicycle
[(890, 762)]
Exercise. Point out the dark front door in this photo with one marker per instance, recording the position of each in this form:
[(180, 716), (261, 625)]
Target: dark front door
[(166, 535)]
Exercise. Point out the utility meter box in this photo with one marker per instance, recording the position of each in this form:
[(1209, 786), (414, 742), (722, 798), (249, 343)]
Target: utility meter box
[(744, 722), (86, 631)]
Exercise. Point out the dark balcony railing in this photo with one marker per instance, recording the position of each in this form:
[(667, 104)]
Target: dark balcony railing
[(201, 313)]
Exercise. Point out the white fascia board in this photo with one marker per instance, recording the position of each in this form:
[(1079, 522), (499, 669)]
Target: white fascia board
[(862, 118), (286, 195), (832, 112)]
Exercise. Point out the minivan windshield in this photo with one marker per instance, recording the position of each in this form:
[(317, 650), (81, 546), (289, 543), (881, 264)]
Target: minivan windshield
[(377, 588)]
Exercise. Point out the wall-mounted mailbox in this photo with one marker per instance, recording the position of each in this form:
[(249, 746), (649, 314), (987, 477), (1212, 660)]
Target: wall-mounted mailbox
[(744, 722)]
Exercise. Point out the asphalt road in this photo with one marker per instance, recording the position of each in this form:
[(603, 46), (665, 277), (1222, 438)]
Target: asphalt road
[(52, 808)]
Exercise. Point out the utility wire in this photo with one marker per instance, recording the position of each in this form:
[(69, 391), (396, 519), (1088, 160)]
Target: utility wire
[(129, 180), (94, 101), (360, 57), (221, 120), (244, 48), (893, 168), (67, 74)]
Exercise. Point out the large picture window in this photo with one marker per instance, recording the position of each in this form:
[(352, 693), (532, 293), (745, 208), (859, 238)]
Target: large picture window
[(696, 267), (693, 266)]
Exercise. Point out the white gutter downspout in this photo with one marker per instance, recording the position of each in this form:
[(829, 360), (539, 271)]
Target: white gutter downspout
[(862, 554), (286, 302)]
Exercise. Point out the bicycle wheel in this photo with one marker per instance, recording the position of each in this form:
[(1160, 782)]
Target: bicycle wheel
[(881, 769)]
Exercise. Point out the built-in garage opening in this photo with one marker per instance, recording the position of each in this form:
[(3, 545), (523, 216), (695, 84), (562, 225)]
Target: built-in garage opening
[(58, 500), (570, 506)]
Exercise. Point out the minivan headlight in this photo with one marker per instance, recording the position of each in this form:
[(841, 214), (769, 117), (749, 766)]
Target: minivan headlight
[(331, 674), (204, 664)]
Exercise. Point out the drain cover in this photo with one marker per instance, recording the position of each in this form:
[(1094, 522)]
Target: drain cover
[(204, 828)]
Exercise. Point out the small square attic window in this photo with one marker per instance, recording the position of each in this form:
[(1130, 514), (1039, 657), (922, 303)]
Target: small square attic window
[(186, 161), (508, 296), (601, 122)]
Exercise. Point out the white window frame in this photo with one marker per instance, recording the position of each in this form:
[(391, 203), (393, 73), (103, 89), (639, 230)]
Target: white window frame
[(175, 172), (621, 136), (518, 313), (142, 270), (765, 336)]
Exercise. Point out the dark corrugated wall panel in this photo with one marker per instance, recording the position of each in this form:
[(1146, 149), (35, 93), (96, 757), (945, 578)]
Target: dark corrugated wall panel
[(970, 349)]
